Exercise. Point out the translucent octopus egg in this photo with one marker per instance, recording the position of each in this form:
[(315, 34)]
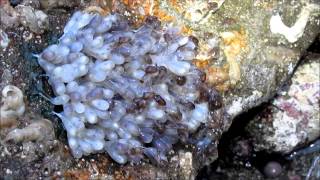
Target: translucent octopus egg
[(125, 91)]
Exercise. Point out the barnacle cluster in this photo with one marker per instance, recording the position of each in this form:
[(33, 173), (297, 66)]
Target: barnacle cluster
[(128, 92), (12, 106)]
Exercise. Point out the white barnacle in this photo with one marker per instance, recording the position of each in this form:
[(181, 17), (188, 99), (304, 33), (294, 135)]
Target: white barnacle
[(12, 106)]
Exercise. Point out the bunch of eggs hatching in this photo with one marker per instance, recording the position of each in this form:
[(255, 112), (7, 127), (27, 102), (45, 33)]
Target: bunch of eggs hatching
[(128, 92)]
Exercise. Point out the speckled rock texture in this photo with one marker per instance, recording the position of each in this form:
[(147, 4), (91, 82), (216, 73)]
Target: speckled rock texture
[(293, 117), (242, 57), (36, 20)]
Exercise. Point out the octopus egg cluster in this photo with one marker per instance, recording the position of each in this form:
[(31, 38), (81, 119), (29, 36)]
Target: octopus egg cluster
[(128, 92)]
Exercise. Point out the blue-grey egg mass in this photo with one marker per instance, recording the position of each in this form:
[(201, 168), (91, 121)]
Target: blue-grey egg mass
[(128, 92)]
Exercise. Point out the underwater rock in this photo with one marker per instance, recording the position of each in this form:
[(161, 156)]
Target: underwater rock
[(51, 4), (33, 3), (126, 91), (36, 20), (8, 16), (26, 15), (293, 117)]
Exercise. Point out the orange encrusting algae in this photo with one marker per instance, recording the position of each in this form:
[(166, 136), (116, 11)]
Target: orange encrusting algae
[(218, 77), (234, 43), (234, 46), (202, 64)]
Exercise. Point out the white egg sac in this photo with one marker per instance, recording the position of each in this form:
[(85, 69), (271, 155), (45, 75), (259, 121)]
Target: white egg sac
[(125, 91)]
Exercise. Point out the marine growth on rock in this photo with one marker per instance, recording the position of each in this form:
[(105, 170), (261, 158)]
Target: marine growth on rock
[(12, 106), (36, 131), (128, 92)]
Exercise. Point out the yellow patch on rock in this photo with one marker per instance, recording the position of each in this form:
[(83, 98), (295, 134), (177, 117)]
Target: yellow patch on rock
[(234, 45), (219, 77)]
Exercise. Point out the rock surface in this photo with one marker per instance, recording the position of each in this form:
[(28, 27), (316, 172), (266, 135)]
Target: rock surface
[(248, 68), (36, 20), (293, 118)]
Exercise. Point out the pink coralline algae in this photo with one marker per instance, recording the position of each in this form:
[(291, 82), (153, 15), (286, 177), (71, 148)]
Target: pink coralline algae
[(298, 119)]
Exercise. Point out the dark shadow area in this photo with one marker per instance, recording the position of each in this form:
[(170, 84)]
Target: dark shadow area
[(226, 156)]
